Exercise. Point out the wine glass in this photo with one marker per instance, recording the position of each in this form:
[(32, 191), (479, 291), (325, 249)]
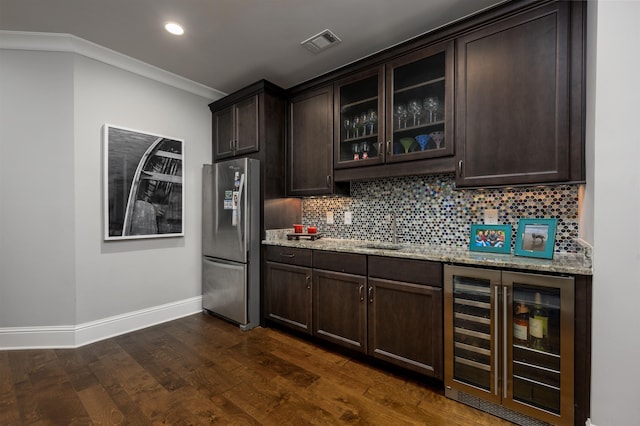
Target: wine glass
[(414, 107), (364, 122), (423, 140), (373, 118), (365, 148), (438, 138), (355, 124), (347, 125), (431, 104), (356, 151), (406, 143), (400, 111)]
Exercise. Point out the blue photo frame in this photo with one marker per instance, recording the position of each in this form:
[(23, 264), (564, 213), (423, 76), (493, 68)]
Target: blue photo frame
[(490, 238), (536, 238)]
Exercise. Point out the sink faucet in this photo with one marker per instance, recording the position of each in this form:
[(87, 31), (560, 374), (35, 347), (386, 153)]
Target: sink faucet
[(394, 228)]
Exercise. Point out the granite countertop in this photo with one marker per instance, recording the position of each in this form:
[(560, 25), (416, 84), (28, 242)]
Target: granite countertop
[(568, 263)]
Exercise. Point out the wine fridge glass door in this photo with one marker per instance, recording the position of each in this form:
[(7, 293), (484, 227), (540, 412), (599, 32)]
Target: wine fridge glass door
[(539, 343)]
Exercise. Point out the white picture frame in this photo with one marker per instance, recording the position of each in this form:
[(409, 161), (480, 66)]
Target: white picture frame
[(143, 184)]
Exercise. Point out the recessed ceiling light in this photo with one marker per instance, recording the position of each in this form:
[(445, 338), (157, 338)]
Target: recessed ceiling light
[(174, 28)]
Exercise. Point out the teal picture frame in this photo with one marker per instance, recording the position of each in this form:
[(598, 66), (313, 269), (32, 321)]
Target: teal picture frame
[(536, 238), (490, 238)]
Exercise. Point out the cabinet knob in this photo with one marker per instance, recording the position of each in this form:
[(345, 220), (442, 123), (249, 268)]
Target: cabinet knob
[(361, 292), (389, 148), (328, 181), (289, 255), (308, 281), (460, 168), (370, 294)]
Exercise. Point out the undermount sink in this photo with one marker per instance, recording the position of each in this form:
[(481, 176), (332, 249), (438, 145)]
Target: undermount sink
[(383, 246)]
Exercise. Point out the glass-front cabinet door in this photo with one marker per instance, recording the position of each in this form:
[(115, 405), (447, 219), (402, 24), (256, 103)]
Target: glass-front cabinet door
[(419, 104), (359, 119)]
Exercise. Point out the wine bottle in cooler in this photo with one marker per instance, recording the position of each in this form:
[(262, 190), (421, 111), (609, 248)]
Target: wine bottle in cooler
[(521, 325), (538, 325)]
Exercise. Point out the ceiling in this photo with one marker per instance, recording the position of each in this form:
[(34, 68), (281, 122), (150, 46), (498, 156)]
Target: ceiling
[(229, 44)]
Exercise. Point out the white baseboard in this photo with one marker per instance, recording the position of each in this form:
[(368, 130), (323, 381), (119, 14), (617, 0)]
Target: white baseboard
[(54, 337)]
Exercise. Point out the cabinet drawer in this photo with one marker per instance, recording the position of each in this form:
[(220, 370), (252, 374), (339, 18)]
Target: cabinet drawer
[(289, 255), (408, 270), (341, 262)]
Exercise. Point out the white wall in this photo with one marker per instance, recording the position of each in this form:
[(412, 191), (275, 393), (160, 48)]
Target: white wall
[(615, 398), (57, 274)]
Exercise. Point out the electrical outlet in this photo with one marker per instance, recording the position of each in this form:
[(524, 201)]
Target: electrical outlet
[(491, 216), (329, 218), (348, 218)]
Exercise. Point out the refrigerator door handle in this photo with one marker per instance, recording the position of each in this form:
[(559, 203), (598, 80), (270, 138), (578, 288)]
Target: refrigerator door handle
[(243, 230)]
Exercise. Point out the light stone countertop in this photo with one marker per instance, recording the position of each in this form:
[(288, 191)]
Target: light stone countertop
[(566, 263)]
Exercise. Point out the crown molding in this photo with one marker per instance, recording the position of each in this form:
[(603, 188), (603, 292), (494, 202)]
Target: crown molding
[(56, 42)]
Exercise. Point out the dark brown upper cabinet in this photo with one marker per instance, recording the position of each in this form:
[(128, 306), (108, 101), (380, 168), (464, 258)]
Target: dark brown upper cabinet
[(250, 121), (519, 99), (235, 129), (397, 112), (510, 90), (310, 143)]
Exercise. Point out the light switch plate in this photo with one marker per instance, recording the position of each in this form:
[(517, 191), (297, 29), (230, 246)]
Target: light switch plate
[(491, 216), (348, 218), (329, 218)]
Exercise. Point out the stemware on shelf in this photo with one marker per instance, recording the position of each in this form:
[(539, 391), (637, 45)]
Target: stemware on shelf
[(373, 118), (347, 125), (438, 138), (356, 148), (400, 111), (355, 124), (423, 140), (365, 148), (431, 104), (364, 123), (406, 143), (414, 107)]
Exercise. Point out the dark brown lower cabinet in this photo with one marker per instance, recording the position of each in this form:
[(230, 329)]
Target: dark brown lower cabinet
[(339, 310), (405, 313), (339, 307), (405, 325), (387, 308), (288, 288)]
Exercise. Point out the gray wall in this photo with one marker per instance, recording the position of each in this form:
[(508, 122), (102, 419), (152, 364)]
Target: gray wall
[(37, 180), (55, 267)]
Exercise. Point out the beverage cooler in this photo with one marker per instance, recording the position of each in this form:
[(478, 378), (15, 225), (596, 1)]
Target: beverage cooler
[(509, 343)]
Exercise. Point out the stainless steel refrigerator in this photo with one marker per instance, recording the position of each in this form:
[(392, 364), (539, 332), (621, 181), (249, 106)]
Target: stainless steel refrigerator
[(231, 240)]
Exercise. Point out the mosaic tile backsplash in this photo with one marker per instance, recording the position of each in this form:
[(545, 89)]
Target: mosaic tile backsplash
[(429, 211)]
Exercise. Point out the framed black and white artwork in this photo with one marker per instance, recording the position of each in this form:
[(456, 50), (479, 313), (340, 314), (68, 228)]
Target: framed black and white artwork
[(143, 184)]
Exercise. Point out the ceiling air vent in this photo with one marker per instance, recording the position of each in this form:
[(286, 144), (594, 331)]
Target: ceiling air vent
[(322, 41)]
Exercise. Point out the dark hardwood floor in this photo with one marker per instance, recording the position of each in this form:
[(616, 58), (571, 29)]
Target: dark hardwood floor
[(201, 370)]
